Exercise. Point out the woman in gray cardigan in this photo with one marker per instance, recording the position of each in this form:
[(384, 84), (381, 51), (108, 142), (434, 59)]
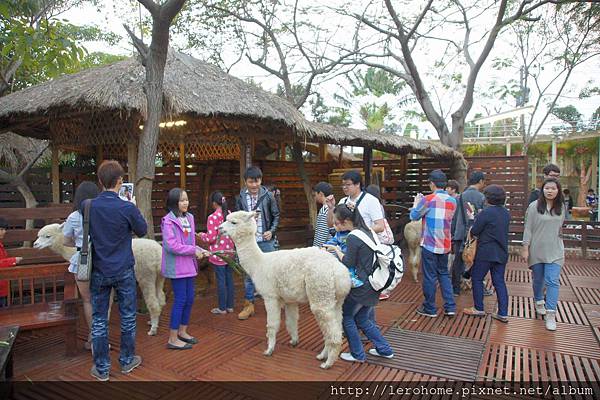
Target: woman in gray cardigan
[(543, 247)]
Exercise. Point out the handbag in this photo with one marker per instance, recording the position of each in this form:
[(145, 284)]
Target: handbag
[(84, 269), (470, 249), (387, 236)]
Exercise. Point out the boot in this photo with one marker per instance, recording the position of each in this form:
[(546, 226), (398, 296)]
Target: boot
[(248, 310), (551, 320), (540, 309)]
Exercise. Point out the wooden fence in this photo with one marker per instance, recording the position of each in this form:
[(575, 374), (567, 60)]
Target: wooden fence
[(403, 179)]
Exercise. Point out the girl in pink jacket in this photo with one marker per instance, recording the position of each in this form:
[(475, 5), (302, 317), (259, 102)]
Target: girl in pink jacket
[(222, 244), (179, 264)]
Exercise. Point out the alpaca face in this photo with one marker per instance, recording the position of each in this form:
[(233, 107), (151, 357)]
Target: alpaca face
[(239, 224), (47, 235)]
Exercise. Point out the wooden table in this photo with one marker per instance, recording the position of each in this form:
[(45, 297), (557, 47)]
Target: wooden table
[(8, 335)]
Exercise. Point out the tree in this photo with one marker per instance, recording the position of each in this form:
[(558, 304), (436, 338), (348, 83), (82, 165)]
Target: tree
[(405, 36), (549, 50), (154, 58), (569, 114), (36, 45)]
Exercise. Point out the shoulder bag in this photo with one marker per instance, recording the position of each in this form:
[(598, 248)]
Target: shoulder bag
[(84, 269)]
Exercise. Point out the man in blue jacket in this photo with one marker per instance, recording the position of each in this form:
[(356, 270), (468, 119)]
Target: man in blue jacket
[(112, 221), (255, 197)]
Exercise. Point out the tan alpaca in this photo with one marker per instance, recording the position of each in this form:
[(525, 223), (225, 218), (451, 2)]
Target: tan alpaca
[(412, 234), (147, 254), (287, 278)]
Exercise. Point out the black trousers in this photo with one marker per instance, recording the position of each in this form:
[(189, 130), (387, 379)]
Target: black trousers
[(458, 266)]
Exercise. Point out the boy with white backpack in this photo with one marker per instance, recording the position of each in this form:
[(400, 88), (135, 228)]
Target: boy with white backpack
[(360, 301)]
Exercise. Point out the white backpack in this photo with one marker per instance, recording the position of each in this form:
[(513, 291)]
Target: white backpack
[(388, 266)]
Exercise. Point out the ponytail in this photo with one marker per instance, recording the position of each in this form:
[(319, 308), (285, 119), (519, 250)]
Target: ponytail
[(217, 197), (344, 213)]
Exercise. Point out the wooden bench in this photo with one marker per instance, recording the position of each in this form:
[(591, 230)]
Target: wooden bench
[(17, 232), (297, 237), (31, 287)]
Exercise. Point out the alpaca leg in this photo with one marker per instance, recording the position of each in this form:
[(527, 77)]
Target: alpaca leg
[(291, 322), (160, 293), (152, 302), (336, 335), (273, 308), (331, 328), (416, 264)]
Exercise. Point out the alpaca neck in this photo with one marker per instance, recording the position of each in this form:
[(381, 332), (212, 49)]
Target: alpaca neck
[(62, 250), (250, 256)]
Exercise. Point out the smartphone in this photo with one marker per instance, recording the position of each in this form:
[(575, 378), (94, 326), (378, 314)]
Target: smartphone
[(126, 192)]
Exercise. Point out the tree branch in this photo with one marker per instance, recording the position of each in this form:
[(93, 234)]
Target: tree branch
[(153, 8), (141, 47), (419, 20), (32, 162)]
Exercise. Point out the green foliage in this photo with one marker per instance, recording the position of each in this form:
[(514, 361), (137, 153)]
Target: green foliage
[(44, 45), (374, 117), (375, 82), (568, 114), (337, 116)]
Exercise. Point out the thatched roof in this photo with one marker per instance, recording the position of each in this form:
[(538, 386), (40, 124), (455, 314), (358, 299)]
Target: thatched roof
[(191, 88)]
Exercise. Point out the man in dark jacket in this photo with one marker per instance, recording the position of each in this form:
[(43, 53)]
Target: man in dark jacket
[(470, 202), (549, 171), (112, 221), (256, 197)]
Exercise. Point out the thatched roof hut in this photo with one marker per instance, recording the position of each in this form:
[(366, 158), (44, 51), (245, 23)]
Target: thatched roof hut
[(106, 105)]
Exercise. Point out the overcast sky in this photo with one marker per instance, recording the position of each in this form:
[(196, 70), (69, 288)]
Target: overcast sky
[(109, 19)]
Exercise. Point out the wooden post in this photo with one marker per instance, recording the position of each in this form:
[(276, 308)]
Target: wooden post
[(554, 150), (131, 161), (312, 205), (341, 156), (282, 152), (245, 159), (55, 176), (99, 155), (323, 153), (584, 239), (508, 149), (182, 174), (367, 164)]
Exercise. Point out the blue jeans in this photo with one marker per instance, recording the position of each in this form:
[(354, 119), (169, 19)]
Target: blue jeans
[(266, 247), (547, 275), (458, 266), (435, 269), (356, 316), (225, 288), (478, 272), (183, 289), (100, 288)]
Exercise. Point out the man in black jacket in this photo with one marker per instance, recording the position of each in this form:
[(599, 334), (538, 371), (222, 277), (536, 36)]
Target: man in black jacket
[(549, 171), (256, 197)]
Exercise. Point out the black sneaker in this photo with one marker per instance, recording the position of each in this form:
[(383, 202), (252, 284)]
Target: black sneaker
[(450, 313), (136, 362), (488, 292), (98, 375), (421, 311)]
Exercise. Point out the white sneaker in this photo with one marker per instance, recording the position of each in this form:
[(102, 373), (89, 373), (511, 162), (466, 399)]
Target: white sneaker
[(551, 320), (349, 357), (540, 308), (374, 352)]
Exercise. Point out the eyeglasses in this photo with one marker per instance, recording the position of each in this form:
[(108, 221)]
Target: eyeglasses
[(553, 175)]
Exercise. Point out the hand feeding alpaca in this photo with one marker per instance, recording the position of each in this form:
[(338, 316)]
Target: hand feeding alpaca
[(287, 278), (147, 254)]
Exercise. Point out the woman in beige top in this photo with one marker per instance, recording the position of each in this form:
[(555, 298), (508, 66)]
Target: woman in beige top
[(543, 247)]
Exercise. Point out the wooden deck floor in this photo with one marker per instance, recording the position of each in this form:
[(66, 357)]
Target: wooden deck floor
[(452, 348)]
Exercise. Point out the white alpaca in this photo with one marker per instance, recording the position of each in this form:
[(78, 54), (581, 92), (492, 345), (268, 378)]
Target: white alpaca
[(412, 235), (147, 254), (287, 278)]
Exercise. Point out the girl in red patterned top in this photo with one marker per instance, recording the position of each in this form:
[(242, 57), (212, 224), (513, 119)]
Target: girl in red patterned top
[(5, 262), (222, 244)]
